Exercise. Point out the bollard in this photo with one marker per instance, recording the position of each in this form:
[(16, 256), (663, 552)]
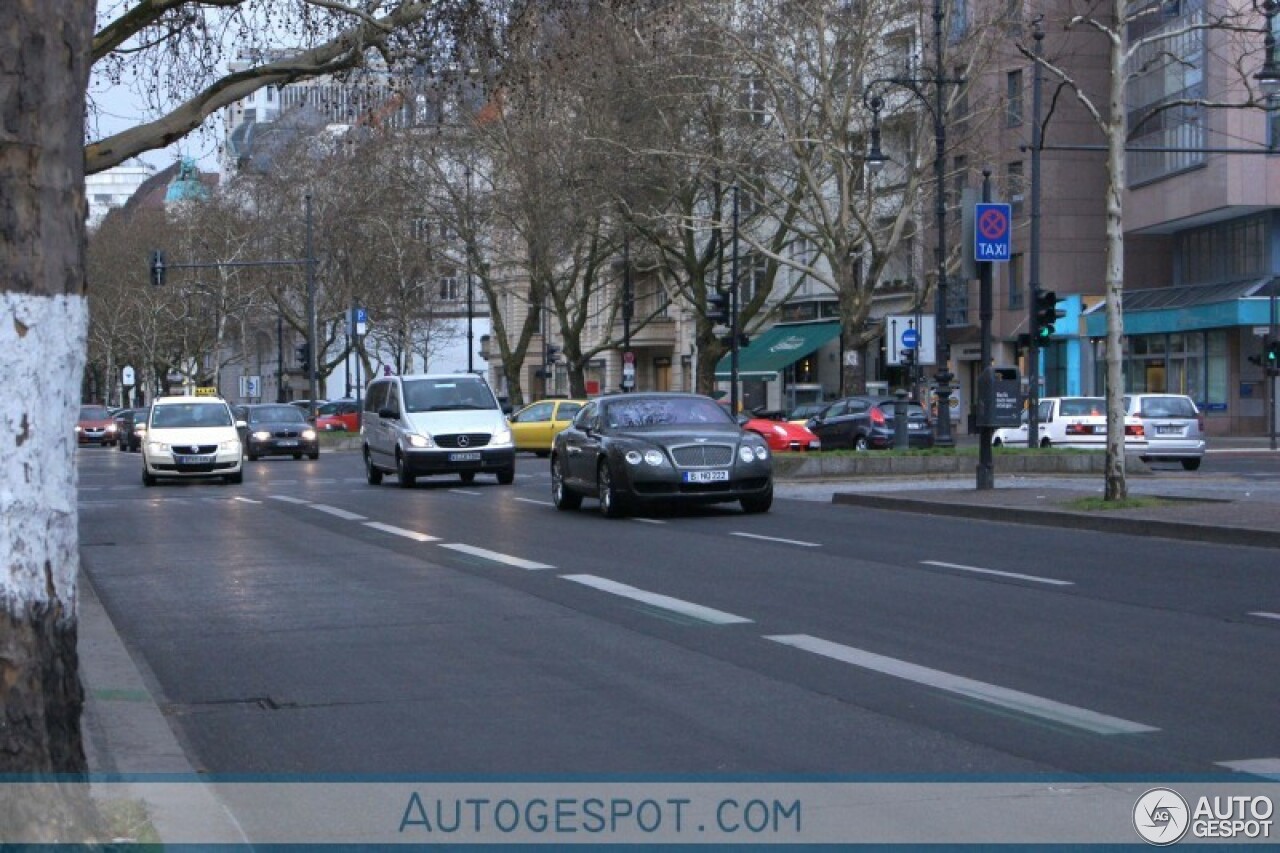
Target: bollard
[(901, 438)]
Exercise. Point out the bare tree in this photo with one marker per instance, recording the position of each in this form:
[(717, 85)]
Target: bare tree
[(1141, 43)]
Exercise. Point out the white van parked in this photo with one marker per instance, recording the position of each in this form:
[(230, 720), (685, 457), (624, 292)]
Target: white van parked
[(420, 425)]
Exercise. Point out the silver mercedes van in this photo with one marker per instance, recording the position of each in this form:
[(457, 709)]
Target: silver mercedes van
[(426, 424)]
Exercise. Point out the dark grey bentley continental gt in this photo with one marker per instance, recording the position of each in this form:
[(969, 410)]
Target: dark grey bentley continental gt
[(634, 450)]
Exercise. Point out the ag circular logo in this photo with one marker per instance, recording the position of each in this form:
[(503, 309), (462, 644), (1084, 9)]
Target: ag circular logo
[(1161, 816)]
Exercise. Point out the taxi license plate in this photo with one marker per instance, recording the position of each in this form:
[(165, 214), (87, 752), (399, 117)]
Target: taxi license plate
[(1168, 430), (465, 457), (193, 460), (706, 476)]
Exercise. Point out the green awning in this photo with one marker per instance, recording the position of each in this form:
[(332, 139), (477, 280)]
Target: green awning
[(778, 347)]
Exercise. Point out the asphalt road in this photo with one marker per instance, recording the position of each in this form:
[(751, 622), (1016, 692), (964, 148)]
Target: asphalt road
[(305, 622)]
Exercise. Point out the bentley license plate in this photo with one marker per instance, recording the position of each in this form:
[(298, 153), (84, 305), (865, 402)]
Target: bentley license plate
[(706, 476), (465, 457)]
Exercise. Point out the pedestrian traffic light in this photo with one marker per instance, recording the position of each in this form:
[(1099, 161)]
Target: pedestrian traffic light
[(1047, 314), (1273, 355), (157, 268), (717, 308), (304, 354)]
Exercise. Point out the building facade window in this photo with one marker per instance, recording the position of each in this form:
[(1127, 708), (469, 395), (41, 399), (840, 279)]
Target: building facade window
[(1013, 99), (1166, 77), (450, 286), (1194, 363), (1223, 252)]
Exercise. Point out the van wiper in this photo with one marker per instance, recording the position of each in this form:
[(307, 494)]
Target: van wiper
[(453, 407)]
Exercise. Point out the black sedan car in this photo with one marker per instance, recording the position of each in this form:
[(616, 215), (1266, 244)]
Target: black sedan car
[(131, 428), (277, 429), (862, 423), (633, 450)]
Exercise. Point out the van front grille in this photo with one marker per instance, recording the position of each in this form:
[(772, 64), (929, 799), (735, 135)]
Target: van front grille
[(463, 439)]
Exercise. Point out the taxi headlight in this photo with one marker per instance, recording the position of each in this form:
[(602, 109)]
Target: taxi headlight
[(157, 447), (231, 445)]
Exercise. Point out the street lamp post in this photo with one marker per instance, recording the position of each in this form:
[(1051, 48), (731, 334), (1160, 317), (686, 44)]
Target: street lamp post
[(1033, 282), (875, 160)]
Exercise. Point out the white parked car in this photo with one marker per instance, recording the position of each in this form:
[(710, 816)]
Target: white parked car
[(1079, 422), (1174, 427), (191, 437)]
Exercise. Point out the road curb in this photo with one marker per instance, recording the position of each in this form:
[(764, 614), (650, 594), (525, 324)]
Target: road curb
[(1203, 533)]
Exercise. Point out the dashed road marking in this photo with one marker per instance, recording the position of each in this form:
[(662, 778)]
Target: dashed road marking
[(532, 501), (506, 559), (1268, 768), (246, 500), (465, 492), (1013, 575), (1016, 700), (290, 499), (1265, 615), (400, 531), (340, 513), (777, 539), (648, 520), (662, 602)]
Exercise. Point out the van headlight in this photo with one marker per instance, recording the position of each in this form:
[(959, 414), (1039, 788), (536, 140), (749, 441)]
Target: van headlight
[(416, 440), (502, 436)]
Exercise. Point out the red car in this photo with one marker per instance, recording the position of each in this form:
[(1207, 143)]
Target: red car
[(338, 416), (781, 434), (96, 426)]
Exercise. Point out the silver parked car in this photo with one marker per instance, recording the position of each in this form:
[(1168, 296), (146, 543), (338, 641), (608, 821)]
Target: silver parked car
[(1174, 427)]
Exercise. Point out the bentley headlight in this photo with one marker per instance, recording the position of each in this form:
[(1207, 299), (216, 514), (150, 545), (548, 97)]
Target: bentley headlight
[(762, 452), (653, 457), (633, 457), (746, 454)]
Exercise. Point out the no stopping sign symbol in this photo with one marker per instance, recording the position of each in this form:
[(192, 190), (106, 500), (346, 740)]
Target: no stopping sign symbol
[(992, 236)]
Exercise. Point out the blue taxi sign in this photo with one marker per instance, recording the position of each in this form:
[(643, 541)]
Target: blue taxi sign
[(992, 235)]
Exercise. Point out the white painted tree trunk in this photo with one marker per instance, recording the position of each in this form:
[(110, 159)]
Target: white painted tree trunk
[(1116, 487)]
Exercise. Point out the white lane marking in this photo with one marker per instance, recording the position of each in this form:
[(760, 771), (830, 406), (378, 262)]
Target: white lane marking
[(323, 480), (665, 602), (289, 499), (777, 539), (340, 513), (1014, 575), (1026, 703), (400, 531), (465, 492), (282, 482), (518, 562), (532, 501), (1268, 768), (649, 520), (1265, 615), (247, 500)]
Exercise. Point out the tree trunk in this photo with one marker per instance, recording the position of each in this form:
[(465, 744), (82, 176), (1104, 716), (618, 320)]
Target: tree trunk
[(1116, 487), (44, 69)]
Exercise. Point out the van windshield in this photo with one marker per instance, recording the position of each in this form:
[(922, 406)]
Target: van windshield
[(443, 395)]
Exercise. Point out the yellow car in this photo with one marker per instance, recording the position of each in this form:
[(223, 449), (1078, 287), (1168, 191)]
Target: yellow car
[(535, 426)]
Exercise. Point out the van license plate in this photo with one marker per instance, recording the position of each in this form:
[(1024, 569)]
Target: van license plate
[(464, 457), (706, 476)]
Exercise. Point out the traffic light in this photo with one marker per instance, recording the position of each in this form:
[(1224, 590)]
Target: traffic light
[(157, 267), (553, 354), (1273, 355), (1023, 341), (304, 353), (907, 356), (1047, 314), (717, 308)]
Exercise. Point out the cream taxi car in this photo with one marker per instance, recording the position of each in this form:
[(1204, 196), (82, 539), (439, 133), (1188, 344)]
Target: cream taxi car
[(1076, 422)]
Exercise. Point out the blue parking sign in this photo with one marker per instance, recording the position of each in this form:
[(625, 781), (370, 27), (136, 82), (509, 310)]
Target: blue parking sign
[(993, 233)]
